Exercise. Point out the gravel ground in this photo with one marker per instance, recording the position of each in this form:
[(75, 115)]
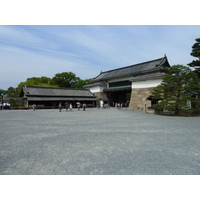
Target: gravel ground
[(98, 142)]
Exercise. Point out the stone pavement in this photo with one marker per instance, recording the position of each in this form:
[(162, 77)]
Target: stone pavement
[(98, 142)]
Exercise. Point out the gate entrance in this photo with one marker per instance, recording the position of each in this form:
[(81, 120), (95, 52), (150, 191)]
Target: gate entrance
[(121, 97)]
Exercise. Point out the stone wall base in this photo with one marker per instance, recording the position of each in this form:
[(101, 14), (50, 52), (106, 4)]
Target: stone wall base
[(139, 98)]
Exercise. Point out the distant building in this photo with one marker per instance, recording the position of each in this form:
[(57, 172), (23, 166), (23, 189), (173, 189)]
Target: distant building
[(52, 96), (130, 86)]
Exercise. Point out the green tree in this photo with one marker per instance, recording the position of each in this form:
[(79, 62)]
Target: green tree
[(36, 81), (3, 92), (196, 53), (65, 79), (12, 92), (178, 91), (80, 83)]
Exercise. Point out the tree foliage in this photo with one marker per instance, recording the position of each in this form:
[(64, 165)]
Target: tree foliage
[(64, 79), (178, 91), (36, 81), (196, 53), (80, 83), (3, 92), (12, 92), (68, 79)]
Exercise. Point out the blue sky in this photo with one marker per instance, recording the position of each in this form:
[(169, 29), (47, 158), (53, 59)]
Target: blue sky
[(35, 51)]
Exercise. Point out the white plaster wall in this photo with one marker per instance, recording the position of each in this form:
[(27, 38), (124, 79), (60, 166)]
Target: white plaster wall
[(146, 84), (97, 89)]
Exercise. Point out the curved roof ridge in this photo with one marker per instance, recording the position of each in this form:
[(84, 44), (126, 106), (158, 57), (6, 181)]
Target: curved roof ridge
[(144, 67), (134, 65), (45, 87)]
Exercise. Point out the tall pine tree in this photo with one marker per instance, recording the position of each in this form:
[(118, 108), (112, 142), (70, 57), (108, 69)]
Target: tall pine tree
[(178, 91), (196, 53)]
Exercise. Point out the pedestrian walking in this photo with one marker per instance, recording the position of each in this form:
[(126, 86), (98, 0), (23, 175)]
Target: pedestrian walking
[(70, 107), (67, 106), (60, 107), (4, 106), (8, 106), (101, 103), (84, 107), (78, 105), (34, 106)]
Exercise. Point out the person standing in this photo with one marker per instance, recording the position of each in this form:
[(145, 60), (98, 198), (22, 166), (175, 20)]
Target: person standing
[(60, 107), (84, 107), (67, 106), (78, 105), (4, 106), (33, 107), (70, 107), (8, 106), (1, 106)]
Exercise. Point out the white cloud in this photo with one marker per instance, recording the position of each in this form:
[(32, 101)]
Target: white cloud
[(21, 37), (86, 50), (17, 65), (100, 44)]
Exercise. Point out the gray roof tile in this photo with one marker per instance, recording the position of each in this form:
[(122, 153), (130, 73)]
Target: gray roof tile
[(147, 76), (150, 66), (56, 92)]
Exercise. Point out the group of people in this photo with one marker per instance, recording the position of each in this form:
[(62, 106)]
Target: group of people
[(119, 105), (104, 105), (69, 106), (4, 106)]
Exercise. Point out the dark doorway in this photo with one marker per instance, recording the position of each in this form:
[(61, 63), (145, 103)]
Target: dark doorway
[(120, 97)]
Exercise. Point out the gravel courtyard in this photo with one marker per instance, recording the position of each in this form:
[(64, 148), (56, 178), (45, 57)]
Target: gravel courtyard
[(96, 141)]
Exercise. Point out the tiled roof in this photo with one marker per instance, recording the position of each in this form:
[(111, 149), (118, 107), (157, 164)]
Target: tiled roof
[(145, 67), (36, 91), (147, 76), (60, 99), (95, 84)]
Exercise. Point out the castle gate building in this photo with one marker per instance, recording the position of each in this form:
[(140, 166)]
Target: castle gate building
[(130, 86)]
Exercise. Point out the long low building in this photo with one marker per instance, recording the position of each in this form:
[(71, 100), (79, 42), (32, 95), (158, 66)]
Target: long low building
[(52, 96), (132, 85)]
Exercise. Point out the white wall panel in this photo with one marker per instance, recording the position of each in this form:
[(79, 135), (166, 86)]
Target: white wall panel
[(146, 84), (97, 89)]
